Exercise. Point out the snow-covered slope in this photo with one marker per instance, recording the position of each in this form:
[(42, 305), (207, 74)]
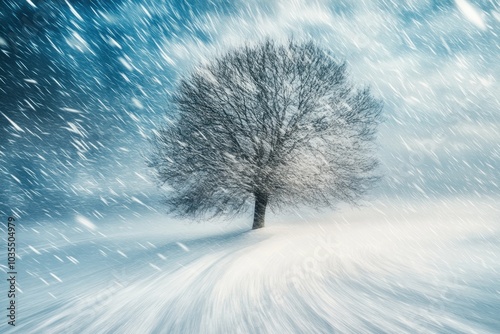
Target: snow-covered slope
[(386, 268)]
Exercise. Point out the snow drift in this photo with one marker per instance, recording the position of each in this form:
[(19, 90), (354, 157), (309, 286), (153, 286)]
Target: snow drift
[(384, 268)]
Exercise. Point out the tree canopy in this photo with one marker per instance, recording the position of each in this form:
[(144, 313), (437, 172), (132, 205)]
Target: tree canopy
[(271, 123)]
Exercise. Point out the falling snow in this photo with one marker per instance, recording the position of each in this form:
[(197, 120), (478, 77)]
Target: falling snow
[(83, 85)]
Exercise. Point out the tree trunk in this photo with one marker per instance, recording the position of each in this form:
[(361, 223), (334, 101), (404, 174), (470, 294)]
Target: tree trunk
[(260, 210)]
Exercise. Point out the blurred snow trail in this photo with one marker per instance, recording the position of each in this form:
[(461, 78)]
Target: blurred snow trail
[(428, 268)]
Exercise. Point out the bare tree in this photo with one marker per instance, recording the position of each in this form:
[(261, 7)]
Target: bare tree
[(276, 124)]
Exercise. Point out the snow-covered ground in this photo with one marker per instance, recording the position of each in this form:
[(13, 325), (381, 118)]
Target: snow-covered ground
[(428, 267)]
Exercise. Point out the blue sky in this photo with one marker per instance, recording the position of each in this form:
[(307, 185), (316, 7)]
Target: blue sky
[(83, 84)]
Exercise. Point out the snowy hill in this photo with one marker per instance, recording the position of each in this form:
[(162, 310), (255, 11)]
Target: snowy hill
[(427, 268)]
